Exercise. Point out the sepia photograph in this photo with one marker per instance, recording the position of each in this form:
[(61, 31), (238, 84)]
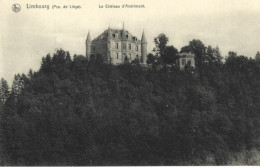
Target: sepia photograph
[(129, 83)]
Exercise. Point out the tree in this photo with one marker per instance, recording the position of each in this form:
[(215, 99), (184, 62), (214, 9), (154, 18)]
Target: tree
[(209, 54), (213, 55), (136, 61), (185, 49), (4, 90), (197, 47), (160, 44), (46, 64), (150, 59), (170, 56), (163, 54), (126, 60), (257, 56), (128, 114), (30, 74), (67, 59), (17, 86), (217, 55), (232, 54)]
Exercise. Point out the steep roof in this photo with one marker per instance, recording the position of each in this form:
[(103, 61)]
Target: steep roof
[(88, 38), (143, 38), (117, 34)]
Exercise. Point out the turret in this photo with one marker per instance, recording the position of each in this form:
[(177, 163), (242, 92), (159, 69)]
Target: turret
[(123, 43), (143, 48), (88, 46), (109, 35), (124, 33), (109, 52)]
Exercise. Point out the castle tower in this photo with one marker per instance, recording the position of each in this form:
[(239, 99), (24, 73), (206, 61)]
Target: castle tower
[(109, 33), (123, 44), (88, 46), (143, 48), (124, 33), (109, 44)]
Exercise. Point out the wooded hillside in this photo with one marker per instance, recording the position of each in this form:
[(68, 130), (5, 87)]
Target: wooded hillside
[(80, 112)]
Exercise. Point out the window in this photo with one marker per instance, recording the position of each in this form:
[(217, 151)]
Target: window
[(183, 62), (124, 46), (192, 62), (129, 46), (104, 46), (136, 48), (130, 56), (116, 45), (189, 61), (116, 55)]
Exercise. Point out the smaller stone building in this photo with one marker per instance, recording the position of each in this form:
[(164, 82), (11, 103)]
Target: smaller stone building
[(184, 59)]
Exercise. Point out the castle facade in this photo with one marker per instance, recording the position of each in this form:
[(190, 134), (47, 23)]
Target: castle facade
[(117, 46)]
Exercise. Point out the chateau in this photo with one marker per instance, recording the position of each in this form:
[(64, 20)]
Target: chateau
[(117, 46)]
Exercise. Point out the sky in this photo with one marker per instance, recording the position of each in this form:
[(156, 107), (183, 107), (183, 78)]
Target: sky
[(29, 35)]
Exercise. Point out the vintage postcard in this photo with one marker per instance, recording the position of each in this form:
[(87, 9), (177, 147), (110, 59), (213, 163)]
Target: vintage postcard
[(129, 82)]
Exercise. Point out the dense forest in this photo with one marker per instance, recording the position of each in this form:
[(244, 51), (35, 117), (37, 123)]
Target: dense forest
[(74, 111)]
